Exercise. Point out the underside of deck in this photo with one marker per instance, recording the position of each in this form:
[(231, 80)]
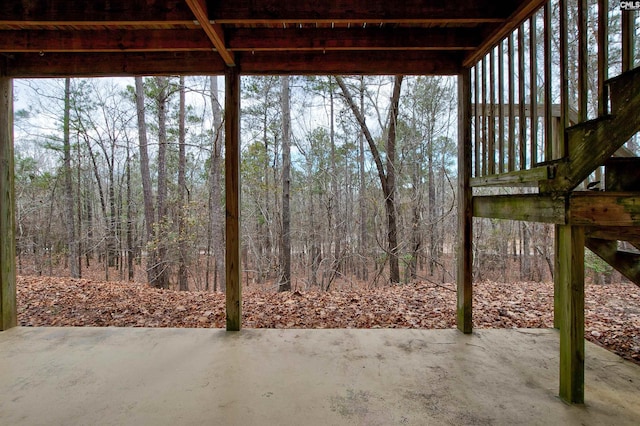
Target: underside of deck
[(370, 377)]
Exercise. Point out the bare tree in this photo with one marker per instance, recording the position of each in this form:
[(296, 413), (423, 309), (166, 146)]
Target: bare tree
[(130, 219), (161, 98), (149, 210), (387, 177), (362, 240), (285, 247), (215, 240), (182, 187), (72, 241)]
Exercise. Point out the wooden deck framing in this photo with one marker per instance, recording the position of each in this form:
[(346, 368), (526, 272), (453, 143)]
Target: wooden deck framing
[(554, 148)]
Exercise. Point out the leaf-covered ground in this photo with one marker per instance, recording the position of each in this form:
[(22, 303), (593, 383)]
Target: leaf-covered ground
[(612, 311)]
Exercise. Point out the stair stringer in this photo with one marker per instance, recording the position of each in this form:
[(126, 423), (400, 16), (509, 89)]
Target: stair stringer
[(591, 143), (627, 263)]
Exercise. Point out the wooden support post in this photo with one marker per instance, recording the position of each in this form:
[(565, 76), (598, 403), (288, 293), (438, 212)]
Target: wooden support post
[(8, 313), (557, 306), (465, 215), (559, 150), (232, 197), (569, 281)]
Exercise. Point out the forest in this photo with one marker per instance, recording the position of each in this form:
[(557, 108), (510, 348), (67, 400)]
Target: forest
[(354, 175)]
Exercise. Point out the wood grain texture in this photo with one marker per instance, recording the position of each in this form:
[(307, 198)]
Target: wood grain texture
[(213, 31), (596, 208), (101, 12), (591, 143), (232, 199), (112, 40), (29, 65), (464, 276), (8, 312), (312, 11), (527, 207), (529, 177), (357, 38), (627, 263), (569, 283)]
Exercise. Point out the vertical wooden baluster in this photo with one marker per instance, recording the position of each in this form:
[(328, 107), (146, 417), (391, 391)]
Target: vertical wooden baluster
[(522, 120), (501, 153), (533, 89), (512, 109)]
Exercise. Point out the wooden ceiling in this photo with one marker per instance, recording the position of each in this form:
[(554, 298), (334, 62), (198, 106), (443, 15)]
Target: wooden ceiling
[(41, 38)]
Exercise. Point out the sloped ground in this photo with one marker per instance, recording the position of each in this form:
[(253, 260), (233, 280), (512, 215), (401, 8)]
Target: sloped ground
[(612, 311)]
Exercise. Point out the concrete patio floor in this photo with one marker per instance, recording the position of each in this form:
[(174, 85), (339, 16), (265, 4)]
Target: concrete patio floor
[(139, 376)]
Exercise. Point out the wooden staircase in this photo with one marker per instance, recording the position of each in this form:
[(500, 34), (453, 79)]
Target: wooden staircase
[(593, 143), (608, 217)]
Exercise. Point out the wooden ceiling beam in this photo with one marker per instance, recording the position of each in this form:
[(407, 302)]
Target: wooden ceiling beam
[(351, 62), (100, 12), (213, 31), (33, 65), (376, 38), (373, 11), (103, 40), (158, 12), (524, 11), (118, 40)]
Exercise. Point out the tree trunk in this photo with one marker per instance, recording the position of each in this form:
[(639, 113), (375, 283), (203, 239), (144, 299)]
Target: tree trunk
[(315, 253), (183, 285), (387, 180), (216, 212), (72, 241), (394, 269), (431, 196), (362, 241), (285, 247), (416, 233), (130, 251), (525, 258), (335, 194), (149, 210), (162, 275), (89, 220), (265, 225), (103, 201), (112, 231), (79, 208)]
